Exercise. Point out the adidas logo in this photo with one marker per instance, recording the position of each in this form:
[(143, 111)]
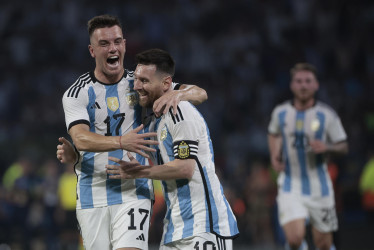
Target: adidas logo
[(141, 237), (95, 106)]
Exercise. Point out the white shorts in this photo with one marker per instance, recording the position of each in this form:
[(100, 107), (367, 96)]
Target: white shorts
[(116, 226), (202, 241), (320, 211)]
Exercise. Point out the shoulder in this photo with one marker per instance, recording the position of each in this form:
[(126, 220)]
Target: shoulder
[(283, 106), (82, 81), (186, 111), (325, 108)]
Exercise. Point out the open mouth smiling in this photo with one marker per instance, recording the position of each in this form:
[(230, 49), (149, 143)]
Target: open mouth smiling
[(113, 60)]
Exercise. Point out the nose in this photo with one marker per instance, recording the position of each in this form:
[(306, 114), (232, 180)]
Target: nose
[(112, 47), (137, 84)]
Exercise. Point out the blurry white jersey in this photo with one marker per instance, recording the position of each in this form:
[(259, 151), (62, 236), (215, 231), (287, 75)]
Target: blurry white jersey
[(198, 205), (305, 172), (110, 110)]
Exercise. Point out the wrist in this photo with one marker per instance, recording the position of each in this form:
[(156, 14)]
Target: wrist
[(120, 143)]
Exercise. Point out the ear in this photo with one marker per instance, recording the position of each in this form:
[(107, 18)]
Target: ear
[(166, 84), (90, 49)]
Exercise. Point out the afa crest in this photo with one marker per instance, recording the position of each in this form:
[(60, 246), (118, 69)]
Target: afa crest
[(164, 133), (183, 150), (113, 103), (299, 125), (131, 98)]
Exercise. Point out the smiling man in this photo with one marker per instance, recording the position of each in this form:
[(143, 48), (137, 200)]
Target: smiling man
[(103, 118), (198, 214)]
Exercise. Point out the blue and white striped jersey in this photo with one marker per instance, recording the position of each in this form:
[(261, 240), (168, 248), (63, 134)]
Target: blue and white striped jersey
[(305, 172), (111, 110), (197, 205)]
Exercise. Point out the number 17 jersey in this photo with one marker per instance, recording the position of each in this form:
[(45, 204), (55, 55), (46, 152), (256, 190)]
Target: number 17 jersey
[(109, 110)]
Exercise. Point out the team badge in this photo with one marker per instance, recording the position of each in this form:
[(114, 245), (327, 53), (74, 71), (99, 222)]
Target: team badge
[(183, 150), (314, 125), (131, 98), (164, 133), (299, 125), (113, 103)]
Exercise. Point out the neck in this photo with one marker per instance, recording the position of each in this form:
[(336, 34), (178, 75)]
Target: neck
[(303, 105), (108, 79)]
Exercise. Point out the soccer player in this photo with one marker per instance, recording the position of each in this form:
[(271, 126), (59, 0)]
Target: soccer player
[(301, 132), (198, 215), (102, 115)]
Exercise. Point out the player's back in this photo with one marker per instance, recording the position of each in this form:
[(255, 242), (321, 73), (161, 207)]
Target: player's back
[(197, 205), (109, 110)]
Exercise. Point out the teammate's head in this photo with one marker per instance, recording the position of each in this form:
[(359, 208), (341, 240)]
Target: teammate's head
[(103, 21), (304, 83), (107, 46), (153, 75)]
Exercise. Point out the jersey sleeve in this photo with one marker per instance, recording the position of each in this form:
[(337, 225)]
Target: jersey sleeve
[(175, 86), (335, 130), (273, 127), (185, 134), (75, 109)]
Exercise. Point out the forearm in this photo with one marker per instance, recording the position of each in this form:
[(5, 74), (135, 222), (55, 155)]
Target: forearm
[(274, 142), (92, 142), (177, 169), (338, 148), (193, 94)]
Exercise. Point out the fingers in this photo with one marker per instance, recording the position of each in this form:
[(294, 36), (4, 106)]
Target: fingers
[(116, 160), (136, 130), (63, 140)]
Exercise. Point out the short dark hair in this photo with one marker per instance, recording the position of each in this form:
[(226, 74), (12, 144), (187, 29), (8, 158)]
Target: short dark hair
[(102, 21), (303, 66), (162, 59)]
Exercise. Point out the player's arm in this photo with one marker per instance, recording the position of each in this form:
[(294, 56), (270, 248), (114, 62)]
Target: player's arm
[(176, 169), (84, 140), (184, 92), (319, 147), (65, 152), (275, 149)]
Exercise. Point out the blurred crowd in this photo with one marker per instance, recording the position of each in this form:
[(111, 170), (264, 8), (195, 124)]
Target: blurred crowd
[(240, 51)]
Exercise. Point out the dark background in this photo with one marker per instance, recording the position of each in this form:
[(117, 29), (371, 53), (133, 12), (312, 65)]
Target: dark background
[(240, 51)]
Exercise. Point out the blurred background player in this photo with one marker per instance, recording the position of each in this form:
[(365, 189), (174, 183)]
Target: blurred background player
[(301, 132)]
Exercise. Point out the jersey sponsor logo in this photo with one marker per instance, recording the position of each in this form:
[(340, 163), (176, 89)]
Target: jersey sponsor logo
[(183, 150), (131, 98), (113, 103), (164, 133)]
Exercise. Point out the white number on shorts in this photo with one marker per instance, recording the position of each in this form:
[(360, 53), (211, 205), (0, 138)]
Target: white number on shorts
[(143, 212)]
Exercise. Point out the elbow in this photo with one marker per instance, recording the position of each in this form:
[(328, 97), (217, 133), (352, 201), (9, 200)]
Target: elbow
[(80, 144)]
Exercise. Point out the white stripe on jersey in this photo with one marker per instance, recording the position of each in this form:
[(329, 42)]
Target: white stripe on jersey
[(109, 109), (198, 205), (305, 172)]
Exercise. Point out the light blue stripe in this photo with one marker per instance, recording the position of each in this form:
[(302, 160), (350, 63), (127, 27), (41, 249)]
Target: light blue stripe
[(232, 221), (170, 227), (142, 187), (113, 187), (287, 170), (207, 132), (213, 205), (88, 162), (85, 182), (185, 205), (300, 147), (319, 158)]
